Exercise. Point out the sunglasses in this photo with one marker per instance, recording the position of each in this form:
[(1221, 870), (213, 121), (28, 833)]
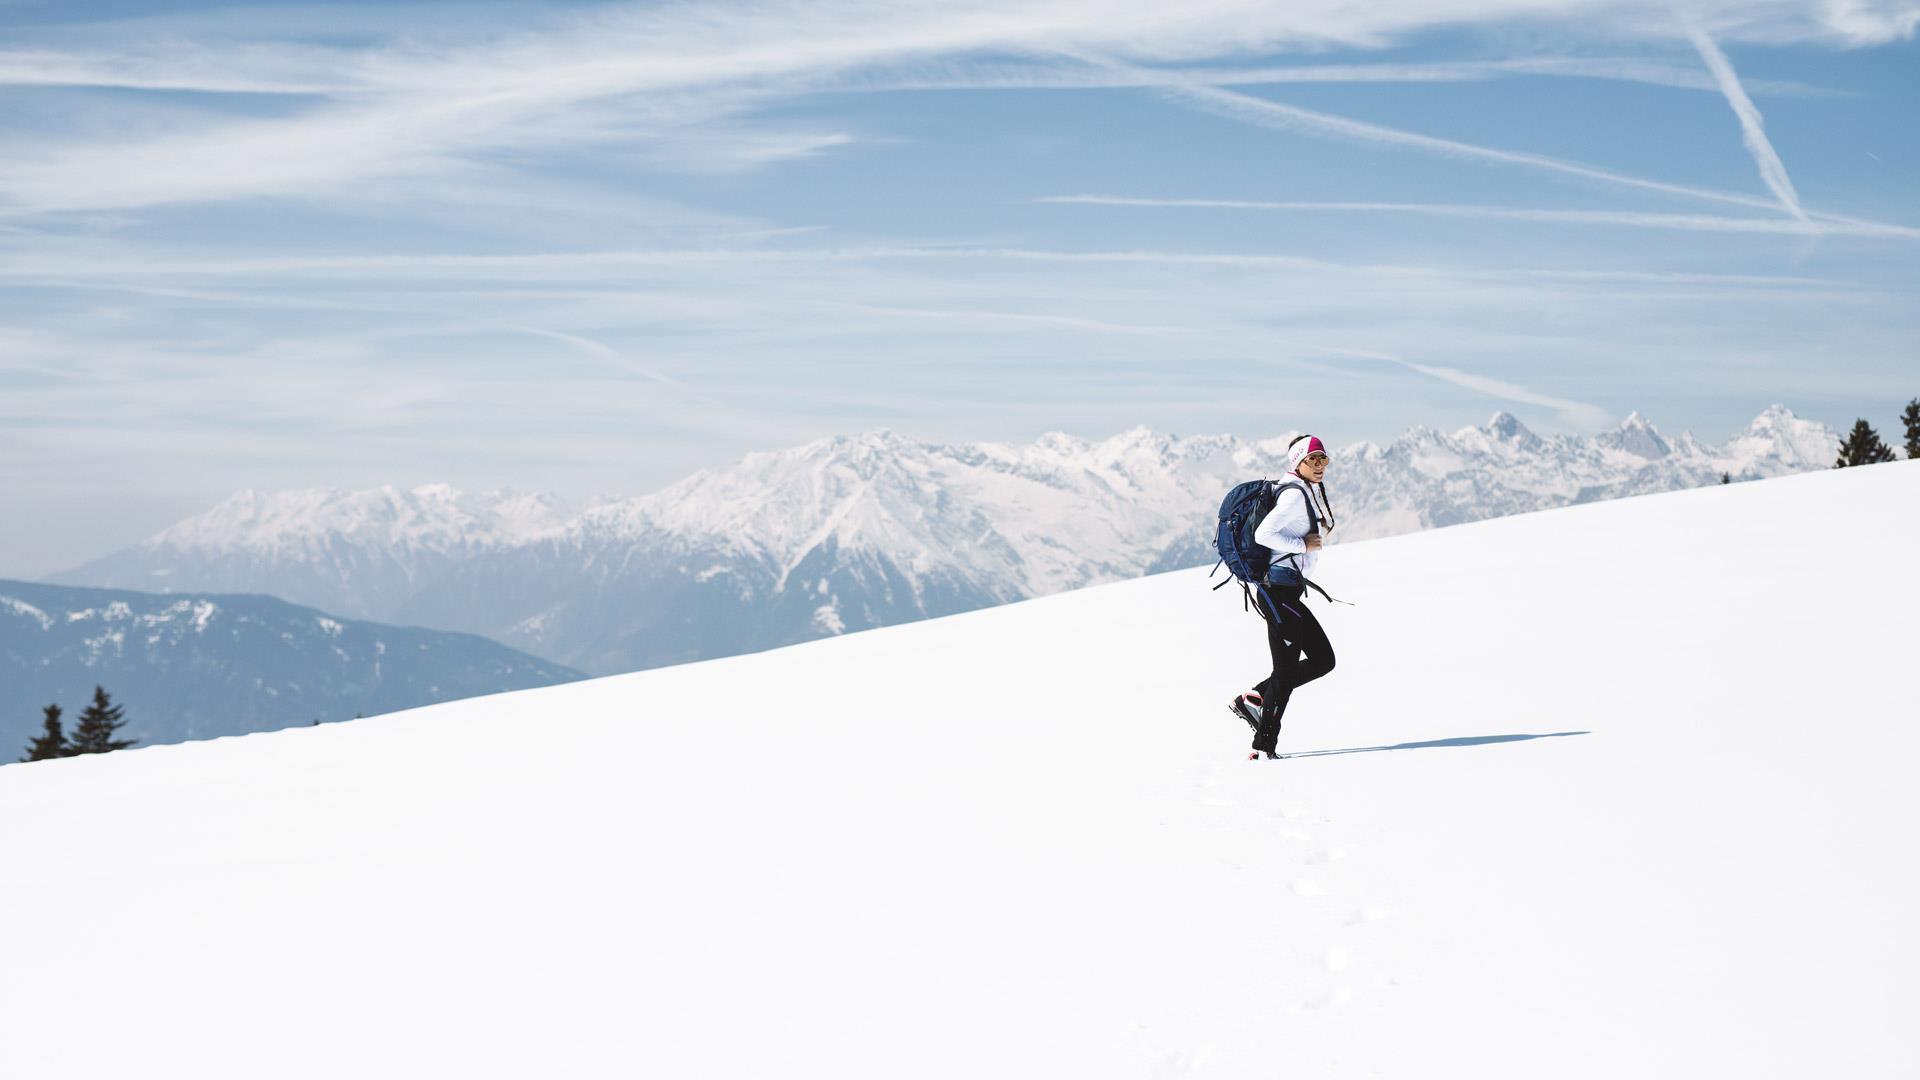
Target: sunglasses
[(1314, 459)]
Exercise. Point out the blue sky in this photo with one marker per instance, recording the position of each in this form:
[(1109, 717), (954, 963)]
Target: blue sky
[(590, 248)]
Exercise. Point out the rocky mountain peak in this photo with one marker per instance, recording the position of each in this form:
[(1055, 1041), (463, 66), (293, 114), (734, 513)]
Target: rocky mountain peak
[(1778, 434), (1061, 443), (1636, 435)]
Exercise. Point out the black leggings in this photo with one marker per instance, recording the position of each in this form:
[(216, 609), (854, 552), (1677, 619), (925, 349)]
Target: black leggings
[(1291, 630)]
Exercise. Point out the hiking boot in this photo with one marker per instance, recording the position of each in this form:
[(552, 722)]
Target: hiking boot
[(1247, 707)]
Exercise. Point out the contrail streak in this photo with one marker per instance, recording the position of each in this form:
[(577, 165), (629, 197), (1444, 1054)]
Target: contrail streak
[(1294, 118), (1576, 413), (614, 356), (1773, 172)]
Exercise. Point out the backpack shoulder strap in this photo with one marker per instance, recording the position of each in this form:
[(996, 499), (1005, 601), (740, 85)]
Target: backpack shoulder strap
[(1313, 512)]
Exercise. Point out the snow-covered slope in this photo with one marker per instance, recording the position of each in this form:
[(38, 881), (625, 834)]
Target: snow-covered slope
[(1617, 790), (873, 530)]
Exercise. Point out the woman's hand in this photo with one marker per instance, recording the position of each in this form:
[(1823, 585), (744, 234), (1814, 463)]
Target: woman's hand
[(1313, 541)]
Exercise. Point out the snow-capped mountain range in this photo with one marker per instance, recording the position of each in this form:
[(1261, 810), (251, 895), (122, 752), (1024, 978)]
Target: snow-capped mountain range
[(861, 531)]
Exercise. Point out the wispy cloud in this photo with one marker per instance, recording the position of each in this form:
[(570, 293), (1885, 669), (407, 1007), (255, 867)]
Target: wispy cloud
[(525, 267), (1005, 75), (1801, 225), (632, 76), (1773, 172), (183, 65)]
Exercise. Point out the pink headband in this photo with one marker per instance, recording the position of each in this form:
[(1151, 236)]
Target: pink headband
[(1309, 445)]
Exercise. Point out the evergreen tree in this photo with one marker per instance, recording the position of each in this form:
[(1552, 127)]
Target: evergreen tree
[(94, 733), (1726, 478), (1862, 447), (52, 742), (1911, 418)]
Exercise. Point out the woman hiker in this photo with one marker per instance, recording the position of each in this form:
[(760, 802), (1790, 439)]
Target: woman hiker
[(1292, 530)]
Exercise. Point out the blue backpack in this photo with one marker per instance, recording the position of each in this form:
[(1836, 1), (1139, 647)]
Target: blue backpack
[(1244, 508), (1240, 515)]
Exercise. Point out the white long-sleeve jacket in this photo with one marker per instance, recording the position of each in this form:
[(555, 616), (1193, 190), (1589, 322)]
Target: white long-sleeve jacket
[(1284, 530)]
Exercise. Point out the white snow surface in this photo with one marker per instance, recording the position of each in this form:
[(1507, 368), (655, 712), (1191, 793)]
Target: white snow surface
[(1621, 789)]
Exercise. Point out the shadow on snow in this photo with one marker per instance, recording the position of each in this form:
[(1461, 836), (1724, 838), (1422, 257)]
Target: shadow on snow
[(1468, 740)]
